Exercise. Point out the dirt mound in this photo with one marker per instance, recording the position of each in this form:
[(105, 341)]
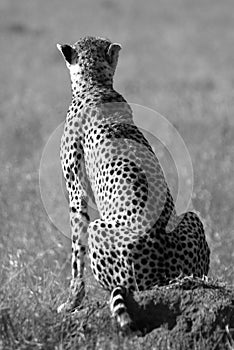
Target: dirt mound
[(187, 314)]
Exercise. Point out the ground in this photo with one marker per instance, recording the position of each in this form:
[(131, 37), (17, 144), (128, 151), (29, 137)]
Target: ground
[(177, 58)]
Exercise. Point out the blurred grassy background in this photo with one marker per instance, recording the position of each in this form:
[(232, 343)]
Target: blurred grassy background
[(177, 58)]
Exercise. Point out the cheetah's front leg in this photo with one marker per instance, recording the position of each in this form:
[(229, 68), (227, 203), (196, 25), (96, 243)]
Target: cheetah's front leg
[(79, 221)]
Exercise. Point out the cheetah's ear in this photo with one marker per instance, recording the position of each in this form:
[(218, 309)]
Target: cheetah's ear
[(67, 52), (113, 54)]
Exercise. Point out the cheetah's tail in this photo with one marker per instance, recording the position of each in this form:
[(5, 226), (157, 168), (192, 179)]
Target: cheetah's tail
[(118, 307)]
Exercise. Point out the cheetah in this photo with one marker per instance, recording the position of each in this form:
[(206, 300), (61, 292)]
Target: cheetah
[(138, 240)]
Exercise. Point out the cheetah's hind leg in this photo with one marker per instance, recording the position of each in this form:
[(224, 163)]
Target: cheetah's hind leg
[(119, 309)]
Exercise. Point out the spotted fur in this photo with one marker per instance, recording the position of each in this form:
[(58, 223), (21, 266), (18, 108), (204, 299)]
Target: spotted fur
[(138, 241)]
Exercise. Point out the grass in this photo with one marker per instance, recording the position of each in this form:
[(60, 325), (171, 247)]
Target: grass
[(177, 58)]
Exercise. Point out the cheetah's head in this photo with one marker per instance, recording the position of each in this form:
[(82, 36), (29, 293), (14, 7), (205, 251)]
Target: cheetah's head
[(91, 59)]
